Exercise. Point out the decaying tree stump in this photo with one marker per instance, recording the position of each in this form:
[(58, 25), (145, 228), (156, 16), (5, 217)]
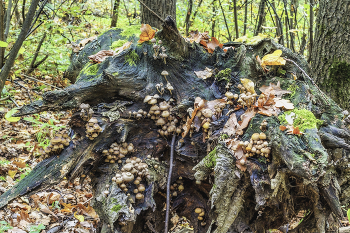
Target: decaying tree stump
[(308, 172)]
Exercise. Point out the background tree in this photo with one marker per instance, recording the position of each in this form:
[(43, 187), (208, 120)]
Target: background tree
[(162, 8), (115, 13), (330, 53)]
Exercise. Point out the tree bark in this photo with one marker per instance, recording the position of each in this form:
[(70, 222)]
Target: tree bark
[(115, 13), (16, 47), (2, 31), (162, 8), (188, 16), (261, 17), (8, 18), (330, 53)]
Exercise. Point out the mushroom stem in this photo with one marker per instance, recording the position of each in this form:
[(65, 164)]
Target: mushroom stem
[(165, 78), (165, 62)]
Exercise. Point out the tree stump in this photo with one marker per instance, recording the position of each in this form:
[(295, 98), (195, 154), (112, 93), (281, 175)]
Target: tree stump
[(307, 172)]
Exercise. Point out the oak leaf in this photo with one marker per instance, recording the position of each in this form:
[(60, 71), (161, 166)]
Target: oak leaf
[(211, 45), (246, 117), (273, 59), (276, 88), (101, 55), (147, 33), (231, 125)]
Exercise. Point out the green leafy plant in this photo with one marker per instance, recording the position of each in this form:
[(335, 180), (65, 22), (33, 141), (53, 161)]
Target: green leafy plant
[(37, 229), (4, 226), (56, 205), (4, 162)]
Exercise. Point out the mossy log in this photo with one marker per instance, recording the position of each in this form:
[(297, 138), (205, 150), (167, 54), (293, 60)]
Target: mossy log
[(309, 172)]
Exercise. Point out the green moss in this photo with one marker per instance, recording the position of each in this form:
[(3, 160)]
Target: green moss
[(131, 30), (303, 119), (210, 159), (293, 88), (224, 75), (90, 69), (118, 43), (116, 208), (131, 58)]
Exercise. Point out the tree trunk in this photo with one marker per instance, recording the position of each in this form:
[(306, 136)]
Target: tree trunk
[(307, 172), (16, 47), (8, 18), (162, 8), (115, 13), (331, 51), (2, 32), (188, 16), (261, 17)]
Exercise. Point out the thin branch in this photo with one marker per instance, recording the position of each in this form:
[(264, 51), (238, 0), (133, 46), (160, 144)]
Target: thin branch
[(305, 74), (41, 81), (228, 30), (168, 184), (5, 98), (14, 101)]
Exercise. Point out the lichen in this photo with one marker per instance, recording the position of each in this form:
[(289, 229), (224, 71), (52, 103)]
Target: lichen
[(293, 88), (210, 159), (90, 69), (303, 119), (118, 43), (131, 30), (131, 58), (116, 208)]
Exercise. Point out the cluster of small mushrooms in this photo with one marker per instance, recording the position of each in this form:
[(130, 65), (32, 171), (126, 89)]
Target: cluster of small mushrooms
[(86, 112), (116, 152), (256, 146), (57, 143), (201, 213), (92, 128), (134, 170), (245, 98), (178, 185), (157, 47)]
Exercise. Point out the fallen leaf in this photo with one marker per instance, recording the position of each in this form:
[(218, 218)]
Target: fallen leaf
[(46, 210), (20, 205), (147, 33), (211, 45), (196, 36), (123, 47), (204, 74), (276, 88), (67, 207), (282, 103), (79, 217), (273, 59), (283, 128), (19, 164), (12, 173), (88, 210), (231, 125), (297, 131), (16, 230), (101, 55), (246, 117)]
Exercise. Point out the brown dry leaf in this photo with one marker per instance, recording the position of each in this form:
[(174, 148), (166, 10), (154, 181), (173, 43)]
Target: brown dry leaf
[(211, 45), (239, 154), (297, 131), (283, 128), (46, 210), (231, 125), (204, 74), (246, 117), (16, 230), (266, 112), (273, 59), (123, 47), (67, 207), (19, 205), (198, 101), (147, 33), (196, 36), (101, 55), (276, 88), (39, 217), (77, 48), (19, 164), (214, 103), (282, 103), (23, 215), (54, 197), (88, 210), (197, 123)]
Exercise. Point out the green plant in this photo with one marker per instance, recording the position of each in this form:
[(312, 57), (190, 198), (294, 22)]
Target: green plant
[(4, 226), (37, 229), (56, 205), (26, 170), (2, 178), (4, 162)]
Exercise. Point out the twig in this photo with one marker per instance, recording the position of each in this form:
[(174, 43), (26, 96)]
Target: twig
[(168, 184), (305, 74), (5, 98), (30, 98), (41, 81), (160, 18), (223, 13), (14, 101)]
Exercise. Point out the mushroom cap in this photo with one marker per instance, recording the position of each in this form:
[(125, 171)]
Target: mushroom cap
[(156, 96), (153, 40), (128, 166), (139, 196), (128, 176), (165, 114), (56, 140), (147, 98), (84, 106), (152, 101), (198, 210), (163, 105), (229, 95), (262, 136), (206, 125), (207, 113), (160, 121), (255, 137), (93, 120), (164, 72), (154, 108), (141, 188)]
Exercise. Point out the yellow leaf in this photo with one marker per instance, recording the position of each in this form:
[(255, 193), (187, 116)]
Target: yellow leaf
[(248, 85), (241, 39), (273, 59), (147, 33), (12, 173), (79, 217)]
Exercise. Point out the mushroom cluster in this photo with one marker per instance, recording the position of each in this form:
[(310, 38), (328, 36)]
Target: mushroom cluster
[(57, 143), (200, 212), (263, 125), (134, 170), (86, 112), (161, 114), (157, 47), (116, 152), (246, 98), (92, 128), (230, 96), (256, 146)]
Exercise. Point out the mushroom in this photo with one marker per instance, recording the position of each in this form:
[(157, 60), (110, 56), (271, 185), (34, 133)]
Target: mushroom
[(207, 113), (139, 196), (128, 176), (165, 73), (229, 95), (160, 121), (198, 210)]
